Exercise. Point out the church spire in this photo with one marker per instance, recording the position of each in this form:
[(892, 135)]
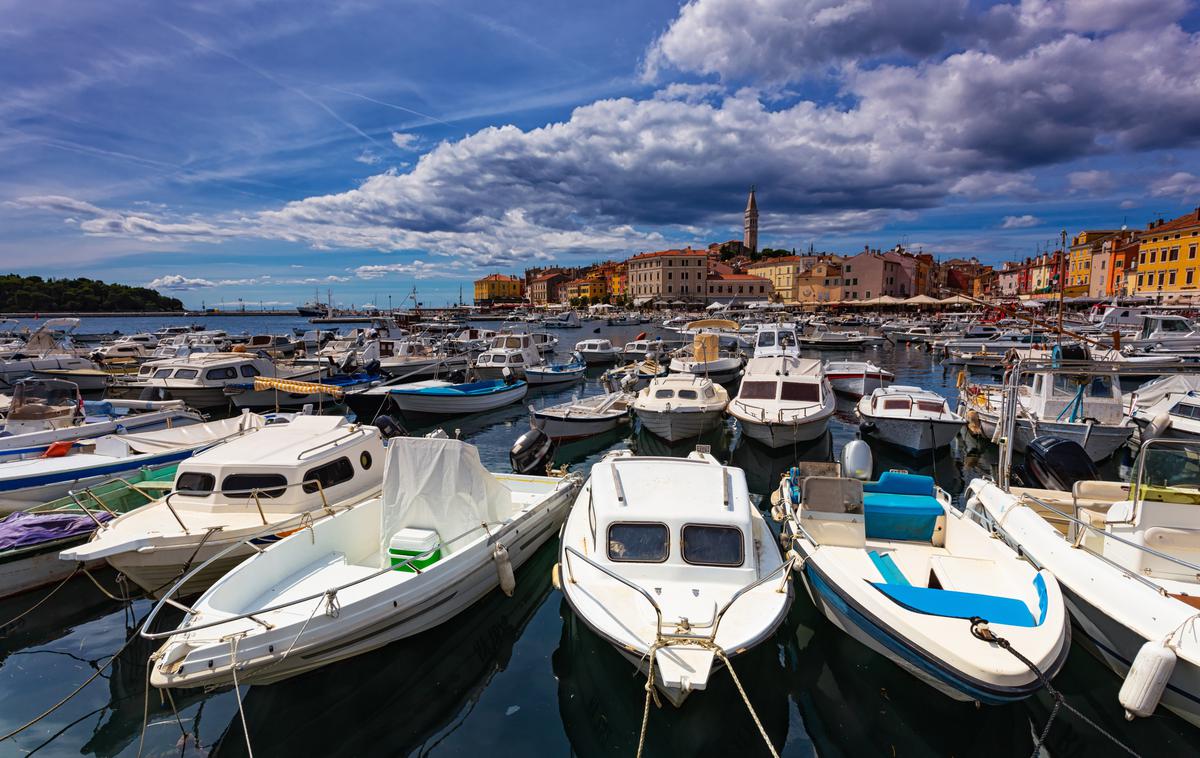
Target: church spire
[(750, 224)]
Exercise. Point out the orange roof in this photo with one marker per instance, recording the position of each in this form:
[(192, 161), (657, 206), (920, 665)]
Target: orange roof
[(549, 276), (1185, 221), (660, 253), (717, 277)]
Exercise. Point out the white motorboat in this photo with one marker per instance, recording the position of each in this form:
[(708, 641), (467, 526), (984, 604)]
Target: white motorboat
[(680, 406), (44, 350), (444, 533), (910, 418), (1085, 408), (1127, 564), (556, 373), (507, 351), (1167, 407), (856, 378), (897, 567), (200, 379), (410, 359), (545, 342), (446, 399), (640, 349), (775, 340), (563, 320), (916, 334), (1166, 332), (783, 400), (597, 351), (45, 411), (583, 417), (703, 358), (266, 483), (43, 474), (669, 561), (827, 339), (633, 376), (471, 340)]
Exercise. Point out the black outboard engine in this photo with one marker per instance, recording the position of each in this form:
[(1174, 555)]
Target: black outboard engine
[(389, 427), (531, 452), (1054, 463)]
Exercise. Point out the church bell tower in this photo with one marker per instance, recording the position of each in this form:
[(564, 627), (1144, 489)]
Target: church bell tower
[(750, 225)]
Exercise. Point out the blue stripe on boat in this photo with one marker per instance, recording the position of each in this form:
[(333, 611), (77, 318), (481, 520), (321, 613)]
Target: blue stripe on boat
[(133, 464)]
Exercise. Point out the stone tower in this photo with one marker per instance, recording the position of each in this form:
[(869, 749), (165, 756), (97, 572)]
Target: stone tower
[(750, 225)]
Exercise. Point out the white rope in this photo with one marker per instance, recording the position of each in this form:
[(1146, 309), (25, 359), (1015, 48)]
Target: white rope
[(237, 693)]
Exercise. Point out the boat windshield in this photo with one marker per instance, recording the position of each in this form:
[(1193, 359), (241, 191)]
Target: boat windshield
[(801, 391), (707, 545), (31, 398), (1094, 386), (1171, 466), (638, 542), (757, 391), (766, 339)]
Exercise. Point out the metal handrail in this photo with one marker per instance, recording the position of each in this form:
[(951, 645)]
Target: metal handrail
[(353, 432), (249, 493), (753, 585), (568, 550)]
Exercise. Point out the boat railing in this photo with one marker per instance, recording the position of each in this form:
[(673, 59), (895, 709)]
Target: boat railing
[(569, 551), (255, 493), (1109, 535), (409, 562)]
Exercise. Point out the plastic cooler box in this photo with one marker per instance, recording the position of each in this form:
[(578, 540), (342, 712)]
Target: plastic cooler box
[(410, 542)]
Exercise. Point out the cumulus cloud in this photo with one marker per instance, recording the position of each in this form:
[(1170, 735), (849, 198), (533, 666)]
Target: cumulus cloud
[(178, 282), (1091, 182), (995, 184), (368, 157), (404, 140), (1020, 222), (1181, 184), (412, 270)]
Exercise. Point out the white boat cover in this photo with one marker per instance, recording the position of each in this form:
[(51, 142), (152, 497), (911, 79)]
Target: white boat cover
[(192, 435), (438, 484), (1152, 392)]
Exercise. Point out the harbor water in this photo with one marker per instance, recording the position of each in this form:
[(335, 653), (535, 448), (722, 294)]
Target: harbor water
[(522, 676)]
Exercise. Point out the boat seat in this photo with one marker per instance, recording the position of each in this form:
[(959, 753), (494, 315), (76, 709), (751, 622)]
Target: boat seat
[(901, 506), (832, 494), (959, 605)]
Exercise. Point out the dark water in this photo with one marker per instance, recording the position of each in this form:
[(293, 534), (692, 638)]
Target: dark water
[(522, 676)]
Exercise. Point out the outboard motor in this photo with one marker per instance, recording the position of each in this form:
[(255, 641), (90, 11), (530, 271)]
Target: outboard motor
[(154, 393), (857, 462), (531, 452), (388, 427), (371, 368), (507, 375), (1054, 463)]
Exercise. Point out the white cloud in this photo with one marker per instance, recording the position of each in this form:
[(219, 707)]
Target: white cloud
[(411, 270), (1020, 222), (178, 282), (1181, 185), (1091, 182), (404, 140), (368, 157), (995, 184)]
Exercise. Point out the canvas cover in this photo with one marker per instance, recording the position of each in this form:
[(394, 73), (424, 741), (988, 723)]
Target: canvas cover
[(438, 484), (192, 435), (1151, 393), (23, 530)]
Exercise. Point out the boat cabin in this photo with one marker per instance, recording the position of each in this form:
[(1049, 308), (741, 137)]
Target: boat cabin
[(1075, 397), (775, 340), (1159, 326), (510, 350), (41, 403)]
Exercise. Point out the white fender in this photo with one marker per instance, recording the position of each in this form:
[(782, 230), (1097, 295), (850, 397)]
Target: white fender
[(1147, 678), (504, 570)]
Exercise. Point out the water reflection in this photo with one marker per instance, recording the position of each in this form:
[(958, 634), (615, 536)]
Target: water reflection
[(601, 696), (765, 465), (394, 700)]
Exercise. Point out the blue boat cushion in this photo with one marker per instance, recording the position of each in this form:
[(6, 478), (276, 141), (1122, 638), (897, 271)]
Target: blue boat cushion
[(959, 605), (901, 506), (888, 569)]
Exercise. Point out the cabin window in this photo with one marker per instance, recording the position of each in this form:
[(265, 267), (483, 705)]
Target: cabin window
[(195, 484), (638, 542), (709, 392), (328, 475), (1189, 411), (664, 393), (248, 370), (757, 391), (766, 339), (516, 358), (930, 405), (689, 394), (805, 393), (221, 373), (242, 485), (895, 405), (705, 545), (162, 373), (186, 373)]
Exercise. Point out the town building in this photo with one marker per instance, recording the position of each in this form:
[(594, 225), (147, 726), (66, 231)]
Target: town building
[(668, 275), (545, 288), (820, 284), (750, 225), (783, 274), (1120, 263), (1167, 258), (494, 289), (1045, 275), (869, 275), (588, 290), (1008, 280), (1079, 261), (741, 288)]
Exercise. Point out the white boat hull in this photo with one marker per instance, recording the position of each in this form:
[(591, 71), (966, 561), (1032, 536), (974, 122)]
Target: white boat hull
[(678, 425), (561, 428), (914, 436), (449, 405), (779, 434), (857, 384), (1100, 441), (721, 371), (39, 568), (137, 422), (536, 378)]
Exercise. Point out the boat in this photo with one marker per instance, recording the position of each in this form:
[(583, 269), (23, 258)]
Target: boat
[(669, 561), (267, 483), (703, 358), (828, 339), (897, 567), (556, 373), (775, 340), (33, 476), (471, 340), (544, 342), (513, 352), (45, 411), (597, 351), (642, 348), (1125, 554), (273, 345), (680, 406), (443, 534), (30, 540), (910, 418), (856, 378), (447, 399), (633, 376), (1165, 332), (563, 320), (411, 360), (1167, 407), (784, 400), (1084, 407), (200, 379), (916, 334), (583, 417), (268, 393)]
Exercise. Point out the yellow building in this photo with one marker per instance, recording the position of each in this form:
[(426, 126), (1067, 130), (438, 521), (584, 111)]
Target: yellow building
[(593, 289), (820, 284), (1079, 261), (498, 288), (1168, 258), (791, 274)]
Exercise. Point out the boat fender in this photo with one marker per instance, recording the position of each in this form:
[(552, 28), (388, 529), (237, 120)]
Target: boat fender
[(556, 577), (504, 570), (1147, 678), (1158, 426)]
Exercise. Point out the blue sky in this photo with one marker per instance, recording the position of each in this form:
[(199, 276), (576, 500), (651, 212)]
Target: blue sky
[(261, 150)]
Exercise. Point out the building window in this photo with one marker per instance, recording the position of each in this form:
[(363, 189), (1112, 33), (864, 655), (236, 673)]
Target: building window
[(1161, 277), (1190, 275), (1153, 255), (1174, 253), (1141, 277), (1192, 251), (1171, 278)]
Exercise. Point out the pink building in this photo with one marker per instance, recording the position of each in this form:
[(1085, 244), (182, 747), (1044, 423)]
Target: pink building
[(869, 274)]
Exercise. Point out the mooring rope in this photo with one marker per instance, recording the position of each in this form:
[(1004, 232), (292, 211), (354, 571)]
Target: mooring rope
[(237, 692), (39, 603)]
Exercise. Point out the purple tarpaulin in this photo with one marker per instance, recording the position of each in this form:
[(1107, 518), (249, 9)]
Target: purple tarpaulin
[(28, 529)]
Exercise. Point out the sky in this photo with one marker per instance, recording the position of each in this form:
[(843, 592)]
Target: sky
[(266, 151)]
